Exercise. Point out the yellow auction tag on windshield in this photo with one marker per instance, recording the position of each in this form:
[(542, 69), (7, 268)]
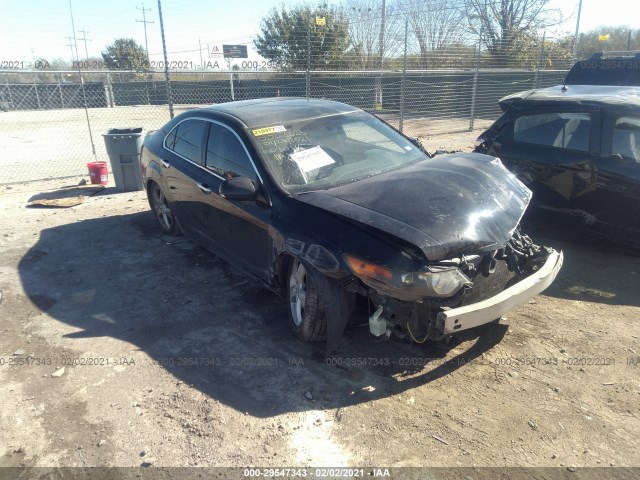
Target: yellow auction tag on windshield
[(266, 130)]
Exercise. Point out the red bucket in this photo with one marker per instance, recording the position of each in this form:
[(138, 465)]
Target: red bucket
[(98, 172)]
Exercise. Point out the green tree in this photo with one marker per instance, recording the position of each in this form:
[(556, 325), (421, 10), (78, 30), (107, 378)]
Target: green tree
[(287, 31), (620, 38), (558, 53), (125, 54)]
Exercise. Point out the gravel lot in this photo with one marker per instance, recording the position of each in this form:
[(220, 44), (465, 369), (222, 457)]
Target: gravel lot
[(123, 347)]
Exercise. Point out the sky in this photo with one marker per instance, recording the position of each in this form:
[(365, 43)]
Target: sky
[(37, 28)]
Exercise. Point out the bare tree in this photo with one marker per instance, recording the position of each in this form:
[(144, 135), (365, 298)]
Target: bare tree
[(506, 26), (365, 28), (436, 26)]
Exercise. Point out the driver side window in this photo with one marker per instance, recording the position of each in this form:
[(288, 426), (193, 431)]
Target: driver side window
[(226, 155)]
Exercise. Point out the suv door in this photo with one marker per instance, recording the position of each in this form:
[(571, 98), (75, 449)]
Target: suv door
[(553, 150), (619, 170)]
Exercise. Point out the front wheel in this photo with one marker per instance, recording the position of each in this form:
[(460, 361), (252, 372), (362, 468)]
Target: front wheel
[(162, 210), (306, 311)]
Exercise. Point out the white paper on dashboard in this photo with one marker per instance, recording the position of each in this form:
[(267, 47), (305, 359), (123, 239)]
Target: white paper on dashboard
[(312, 158)]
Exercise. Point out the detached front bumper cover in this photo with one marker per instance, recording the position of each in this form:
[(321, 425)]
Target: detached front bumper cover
[(469, 316)]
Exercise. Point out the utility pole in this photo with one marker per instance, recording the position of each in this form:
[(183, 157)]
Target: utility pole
[(378, 81), (70, 45), (575, 42), (85, 39), (166, 61), (73, 29), (145, 21), (383, 16)]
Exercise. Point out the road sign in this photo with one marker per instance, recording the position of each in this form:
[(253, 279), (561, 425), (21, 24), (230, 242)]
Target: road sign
[(234, 51)]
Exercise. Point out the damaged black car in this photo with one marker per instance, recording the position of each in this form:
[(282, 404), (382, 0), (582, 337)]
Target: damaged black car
[(577, 147), (324, 203)]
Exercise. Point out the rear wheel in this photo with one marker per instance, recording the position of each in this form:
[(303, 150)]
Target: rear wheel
[(306, 312), (162, 210)]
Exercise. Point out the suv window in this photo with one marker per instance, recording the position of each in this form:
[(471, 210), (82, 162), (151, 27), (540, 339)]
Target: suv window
[(226, 155), (188, 138), (560, 130), (626, 138)]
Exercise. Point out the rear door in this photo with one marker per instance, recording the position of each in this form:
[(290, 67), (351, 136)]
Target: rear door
[(184, 147), (618, 199)]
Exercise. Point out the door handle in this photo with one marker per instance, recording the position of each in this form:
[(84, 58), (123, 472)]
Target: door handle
[(204, 188), (165, 164)]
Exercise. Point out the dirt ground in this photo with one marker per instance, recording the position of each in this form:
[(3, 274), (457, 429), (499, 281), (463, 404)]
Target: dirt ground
[(123, 347)]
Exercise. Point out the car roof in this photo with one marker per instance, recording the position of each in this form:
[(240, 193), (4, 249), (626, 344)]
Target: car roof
[(278, 110), (595, 95), (606, 68)]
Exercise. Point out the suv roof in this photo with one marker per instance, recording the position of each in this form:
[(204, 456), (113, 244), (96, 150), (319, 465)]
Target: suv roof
[(625, 97), (606, 68)]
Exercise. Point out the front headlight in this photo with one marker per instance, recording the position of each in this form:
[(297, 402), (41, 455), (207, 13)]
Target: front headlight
[(432, 282)]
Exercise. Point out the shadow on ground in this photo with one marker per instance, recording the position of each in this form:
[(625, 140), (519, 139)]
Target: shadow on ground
[(210, 325), (225, 334), (594, 269)]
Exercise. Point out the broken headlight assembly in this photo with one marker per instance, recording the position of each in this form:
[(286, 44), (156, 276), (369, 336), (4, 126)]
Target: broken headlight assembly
[(433, 281)]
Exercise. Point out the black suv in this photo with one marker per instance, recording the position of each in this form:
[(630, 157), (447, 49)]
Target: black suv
[(606, 68), (577, 147)]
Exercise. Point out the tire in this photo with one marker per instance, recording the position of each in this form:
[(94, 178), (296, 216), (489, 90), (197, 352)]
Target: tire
[(163, 212), (307, 316)]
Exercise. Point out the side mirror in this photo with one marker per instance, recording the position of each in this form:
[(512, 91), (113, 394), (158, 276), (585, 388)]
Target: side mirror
[(238, 188)]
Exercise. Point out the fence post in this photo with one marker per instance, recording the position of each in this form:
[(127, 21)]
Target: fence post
[(6, 79), (474, 95), (308, 74), (108, 92), (233, 94), (35, 86), (60, 91), (404, 74), (474, 92), (536, 77)]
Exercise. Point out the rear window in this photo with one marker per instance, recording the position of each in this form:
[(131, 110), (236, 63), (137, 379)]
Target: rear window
[(554, 129), (185, 139), (606, 71)]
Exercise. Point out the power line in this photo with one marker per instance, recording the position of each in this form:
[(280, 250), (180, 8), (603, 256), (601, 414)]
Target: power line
[(145, 21), (70, 45), (85, 39)]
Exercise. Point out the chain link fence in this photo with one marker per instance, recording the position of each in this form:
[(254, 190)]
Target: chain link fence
[(46, 131)]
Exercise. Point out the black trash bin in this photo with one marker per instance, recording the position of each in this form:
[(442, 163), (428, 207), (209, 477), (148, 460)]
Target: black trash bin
[(123, 147)]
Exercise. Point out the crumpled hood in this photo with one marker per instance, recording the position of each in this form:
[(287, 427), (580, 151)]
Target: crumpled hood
[(463, 202)]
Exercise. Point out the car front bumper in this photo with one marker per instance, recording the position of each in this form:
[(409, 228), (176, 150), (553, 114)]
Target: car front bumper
[(462, 318)]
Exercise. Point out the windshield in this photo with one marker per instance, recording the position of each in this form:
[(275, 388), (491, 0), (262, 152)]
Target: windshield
[(320, 153)]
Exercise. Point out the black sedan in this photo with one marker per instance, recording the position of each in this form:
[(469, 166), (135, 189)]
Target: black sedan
[(324, 203)]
